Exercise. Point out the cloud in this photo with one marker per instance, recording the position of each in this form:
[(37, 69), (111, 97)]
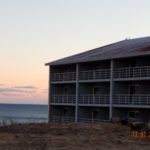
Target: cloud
[(18, 90), (14, 90), (25, 87), (10, 94)]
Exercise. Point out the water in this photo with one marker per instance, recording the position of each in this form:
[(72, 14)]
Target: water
[(23, 113)]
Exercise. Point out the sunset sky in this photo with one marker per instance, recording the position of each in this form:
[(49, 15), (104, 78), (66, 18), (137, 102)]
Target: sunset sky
[(34, 32)]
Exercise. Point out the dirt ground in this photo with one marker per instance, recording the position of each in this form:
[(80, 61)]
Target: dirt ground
[(103, 136)]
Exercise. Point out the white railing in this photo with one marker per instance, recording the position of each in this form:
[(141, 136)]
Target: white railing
[(132, 99), (66, 99), (61, 119), (94, 99), (132, 72), (95, 74), (68, 76), (92, 120)]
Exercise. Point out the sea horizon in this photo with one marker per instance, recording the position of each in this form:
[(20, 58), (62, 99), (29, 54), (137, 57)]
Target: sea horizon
[(23, 113)]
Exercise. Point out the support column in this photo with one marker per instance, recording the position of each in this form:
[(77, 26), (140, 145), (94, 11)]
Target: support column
[(111, 90), (49, 94), (77, 92)]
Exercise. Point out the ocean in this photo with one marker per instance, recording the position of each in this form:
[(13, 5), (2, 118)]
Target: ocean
[(22, 113)]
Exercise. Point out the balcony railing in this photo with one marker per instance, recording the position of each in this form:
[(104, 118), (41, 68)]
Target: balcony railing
[(95, 75), (132, 99), (91, 120), (62, 119), (64, 99), (68, 76), (134, 72), (94, 99)]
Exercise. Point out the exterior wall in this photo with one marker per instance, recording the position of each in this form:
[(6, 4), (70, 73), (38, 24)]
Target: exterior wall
[(101, 74), (131, 62), (63, 68), (63, 89), (144, 114), (95, 65), (87, 112), (143, 87), (88, 88), (58, 111)]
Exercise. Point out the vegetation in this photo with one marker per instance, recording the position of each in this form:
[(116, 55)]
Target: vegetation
[(103, 136)]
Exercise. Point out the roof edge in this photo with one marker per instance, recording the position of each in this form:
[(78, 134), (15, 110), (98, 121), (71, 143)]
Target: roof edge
[(51, 63), (113, 58), (60, 61)]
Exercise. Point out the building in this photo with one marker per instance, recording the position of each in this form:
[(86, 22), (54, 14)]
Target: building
[(112, 81)]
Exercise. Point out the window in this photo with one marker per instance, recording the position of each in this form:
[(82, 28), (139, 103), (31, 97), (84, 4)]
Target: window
[(132, 89), (96, 90), (96, 67), (132, 63), (133, 114)]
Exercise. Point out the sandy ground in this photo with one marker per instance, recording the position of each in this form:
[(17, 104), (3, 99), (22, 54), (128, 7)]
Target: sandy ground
[(103, 136)]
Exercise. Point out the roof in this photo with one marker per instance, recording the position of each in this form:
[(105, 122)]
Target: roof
[(121, 49)]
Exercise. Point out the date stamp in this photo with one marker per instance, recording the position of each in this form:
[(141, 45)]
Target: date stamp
[(141, 134)]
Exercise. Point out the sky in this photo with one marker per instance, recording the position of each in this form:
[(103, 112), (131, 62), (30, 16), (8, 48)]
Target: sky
[(34, 32)]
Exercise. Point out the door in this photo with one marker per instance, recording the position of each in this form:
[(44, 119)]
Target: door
[(132, 64), (65, 95), (65, 91), (132, 92), (65, 110), (95, 71), (94, 114), (95, 94)]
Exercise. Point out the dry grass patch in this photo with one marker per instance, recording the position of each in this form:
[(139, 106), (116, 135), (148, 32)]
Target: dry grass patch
[(103, 136)]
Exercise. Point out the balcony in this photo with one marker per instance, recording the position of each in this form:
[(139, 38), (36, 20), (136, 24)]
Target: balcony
[(60, 77), (94, 99), (62, 119), (134, 72), (63, 99), (132, 100), (95, 75)]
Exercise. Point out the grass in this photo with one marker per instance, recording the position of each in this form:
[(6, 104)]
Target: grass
[(103, 136)]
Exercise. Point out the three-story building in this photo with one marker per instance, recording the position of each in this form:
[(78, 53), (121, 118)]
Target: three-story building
[(112, 81)]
